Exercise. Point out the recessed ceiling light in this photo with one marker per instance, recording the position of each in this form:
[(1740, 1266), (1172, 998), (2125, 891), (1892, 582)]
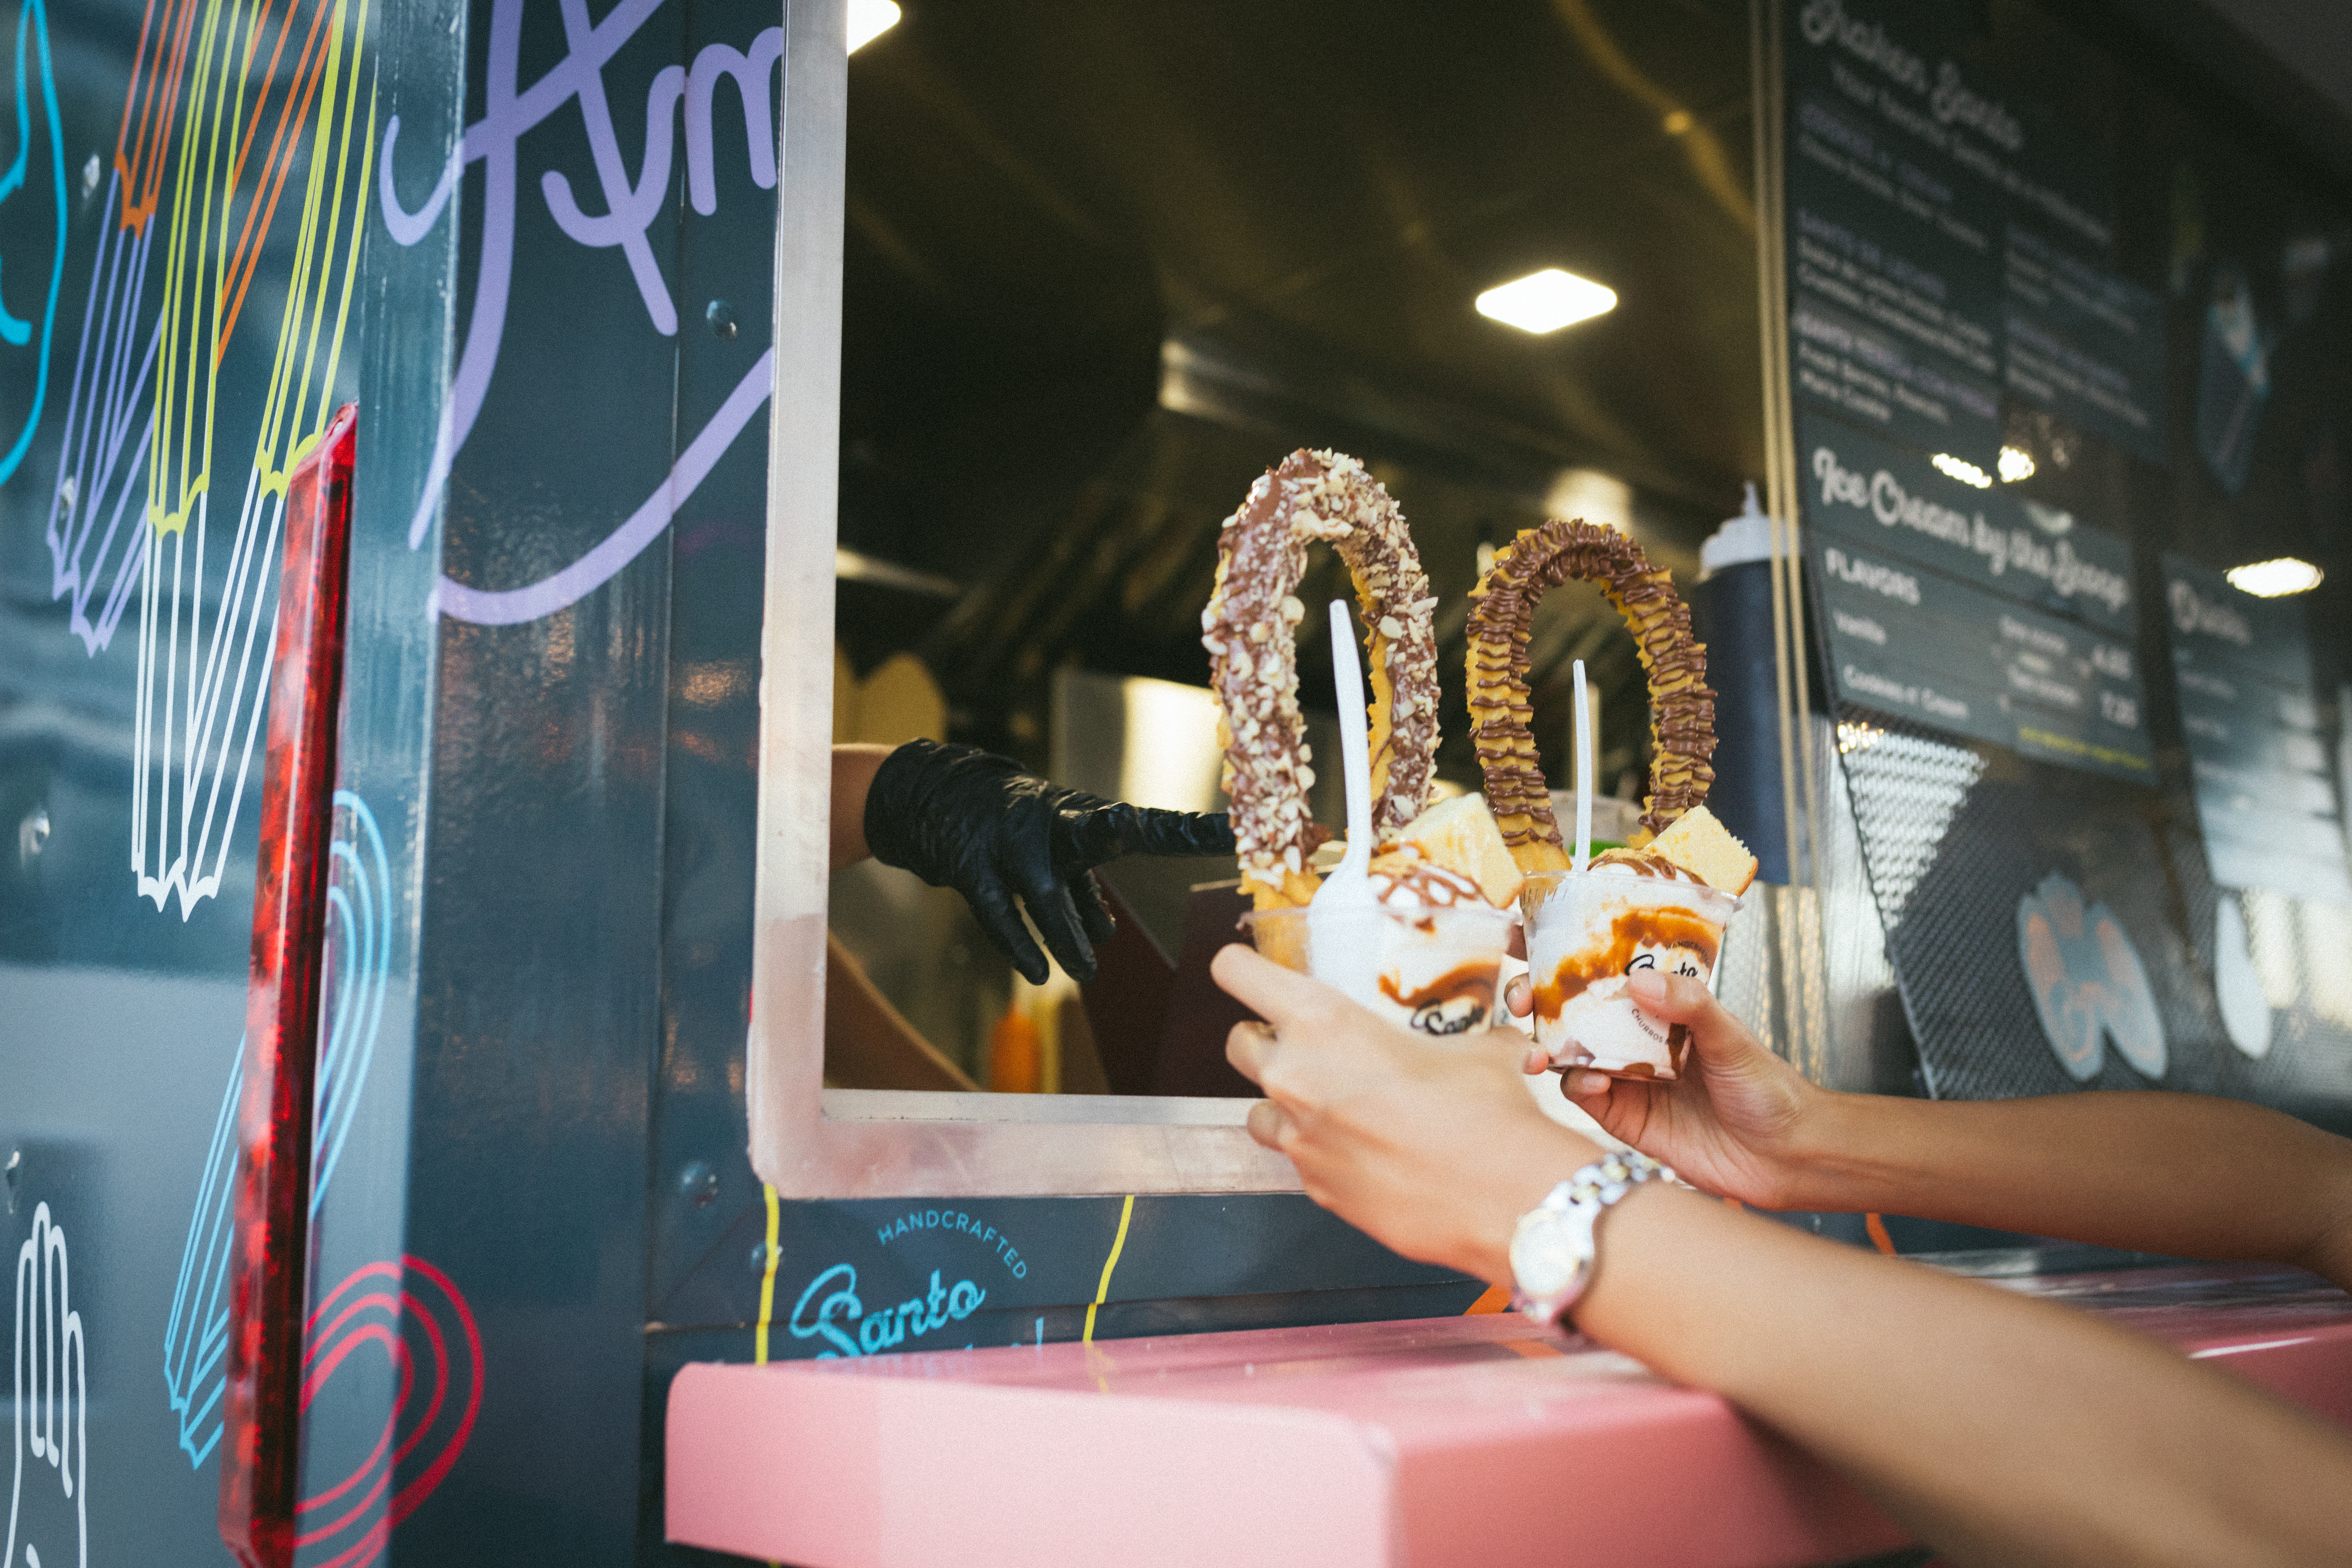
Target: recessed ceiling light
[(868, 20), (2275, 579), (1960, 469), (1545, 301), (2016, 463)]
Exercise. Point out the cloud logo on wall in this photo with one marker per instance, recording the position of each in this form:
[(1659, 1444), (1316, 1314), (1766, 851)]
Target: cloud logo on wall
[(2088, 982)]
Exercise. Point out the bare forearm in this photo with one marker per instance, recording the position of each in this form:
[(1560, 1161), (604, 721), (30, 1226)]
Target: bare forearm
[(854, 768), (2005, 1429), (2183, 1174)]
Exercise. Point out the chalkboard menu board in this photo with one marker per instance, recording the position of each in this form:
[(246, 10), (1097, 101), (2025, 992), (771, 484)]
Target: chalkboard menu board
[(1966, 610), (2069, 336), (2266, 796), (1893, 245), (2084, 344), (1951, 238)]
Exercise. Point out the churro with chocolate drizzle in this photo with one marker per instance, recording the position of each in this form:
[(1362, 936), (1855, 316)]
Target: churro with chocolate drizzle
[(1250, 630), (1682, 705)]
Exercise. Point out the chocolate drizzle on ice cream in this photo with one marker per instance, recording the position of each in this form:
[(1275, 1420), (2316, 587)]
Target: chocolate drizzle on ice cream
[(1407, 881), (1643, 863)]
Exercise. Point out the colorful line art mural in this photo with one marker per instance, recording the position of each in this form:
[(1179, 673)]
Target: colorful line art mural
[(414, 1316), (95, 536), (358, 969), (631, 205), (221, 219), (48, 1500), (37, 173), (101, 470), (196, 1336), (200, 683), (239, 113)]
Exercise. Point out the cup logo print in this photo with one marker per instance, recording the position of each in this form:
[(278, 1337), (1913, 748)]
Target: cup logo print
[(48, 1500), (1670, 959), (1454, 1003), (2087, 983), (1457, 1015)]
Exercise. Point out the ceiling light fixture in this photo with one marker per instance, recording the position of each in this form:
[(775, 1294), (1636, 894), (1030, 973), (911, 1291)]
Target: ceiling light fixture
[(1591, 495), (1545, 301), (1960, 469), (2275, 579), (2016, 463), (868, 20)]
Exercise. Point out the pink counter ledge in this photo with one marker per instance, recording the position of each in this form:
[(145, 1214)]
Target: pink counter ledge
[(1444, 1441)]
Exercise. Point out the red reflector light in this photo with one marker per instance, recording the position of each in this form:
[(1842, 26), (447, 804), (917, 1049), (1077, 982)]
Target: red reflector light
[(260, 1447)]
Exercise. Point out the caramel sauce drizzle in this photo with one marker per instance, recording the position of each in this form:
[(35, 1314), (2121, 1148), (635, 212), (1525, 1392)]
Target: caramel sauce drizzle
[(1630, 932), (1473, 980)]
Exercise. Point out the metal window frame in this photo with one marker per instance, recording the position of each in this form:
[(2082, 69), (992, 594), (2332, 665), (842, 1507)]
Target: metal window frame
[(808, 1140)]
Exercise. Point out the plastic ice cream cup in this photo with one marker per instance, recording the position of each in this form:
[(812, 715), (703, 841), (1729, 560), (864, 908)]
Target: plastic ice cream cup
[(1434, 970), (1587, 935)]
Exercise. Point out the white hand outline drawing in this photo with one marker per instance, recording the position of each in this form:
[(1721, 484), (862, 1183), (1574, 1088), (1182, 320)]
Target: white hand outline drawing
[(50, 1407)]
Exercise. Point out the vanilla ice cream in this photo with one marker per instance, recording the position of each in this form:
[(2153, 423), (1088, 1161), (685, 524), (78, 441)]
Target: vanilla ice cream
[(1588, 934), (1435, 947)]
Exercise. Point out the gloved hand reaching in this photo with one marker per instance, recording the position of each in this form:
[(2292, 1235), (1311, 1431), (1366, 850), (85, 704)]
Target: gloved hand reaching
[(960, 817)]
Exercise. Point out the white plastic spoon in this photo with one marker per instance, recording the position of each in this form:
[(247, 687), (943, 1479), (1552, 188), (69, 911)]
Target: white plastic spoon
[(1583, 774), (1343, 952)]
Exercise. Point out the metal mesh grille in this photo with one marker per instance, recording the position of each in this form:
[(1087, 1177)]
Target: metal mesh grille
[(2302, 954), (1954, 833)]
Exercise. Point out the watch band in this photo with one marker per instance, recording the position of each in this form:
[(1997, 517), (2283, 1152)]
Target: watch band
[(1553, 1248)]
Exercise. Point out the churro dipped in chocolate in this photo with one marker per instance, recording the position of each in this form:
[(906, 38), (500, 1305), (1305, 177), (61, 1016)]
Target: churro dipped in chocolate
[(1250, 629), (1682, 705)]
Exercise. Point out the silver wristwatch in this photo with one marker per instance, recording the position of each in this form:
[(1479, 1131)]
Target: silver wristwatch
[(1552, 1249)]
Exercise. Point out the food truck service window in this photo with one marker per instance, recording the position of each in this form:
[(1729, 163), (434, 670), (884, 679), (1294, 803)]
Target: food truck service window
[(809, 1140), (1053, 285)]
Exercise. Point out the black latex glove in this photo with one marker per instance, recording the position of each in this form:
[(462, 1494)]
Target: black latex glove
[(960, 817)]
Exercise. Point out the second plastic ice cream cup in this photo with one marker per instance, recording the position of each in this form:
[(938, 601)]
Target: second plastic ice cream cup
[(1589, 933)]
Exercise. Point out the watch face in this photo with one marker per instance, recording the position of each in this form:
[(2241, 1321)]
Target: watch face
[(1548, 1256)]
